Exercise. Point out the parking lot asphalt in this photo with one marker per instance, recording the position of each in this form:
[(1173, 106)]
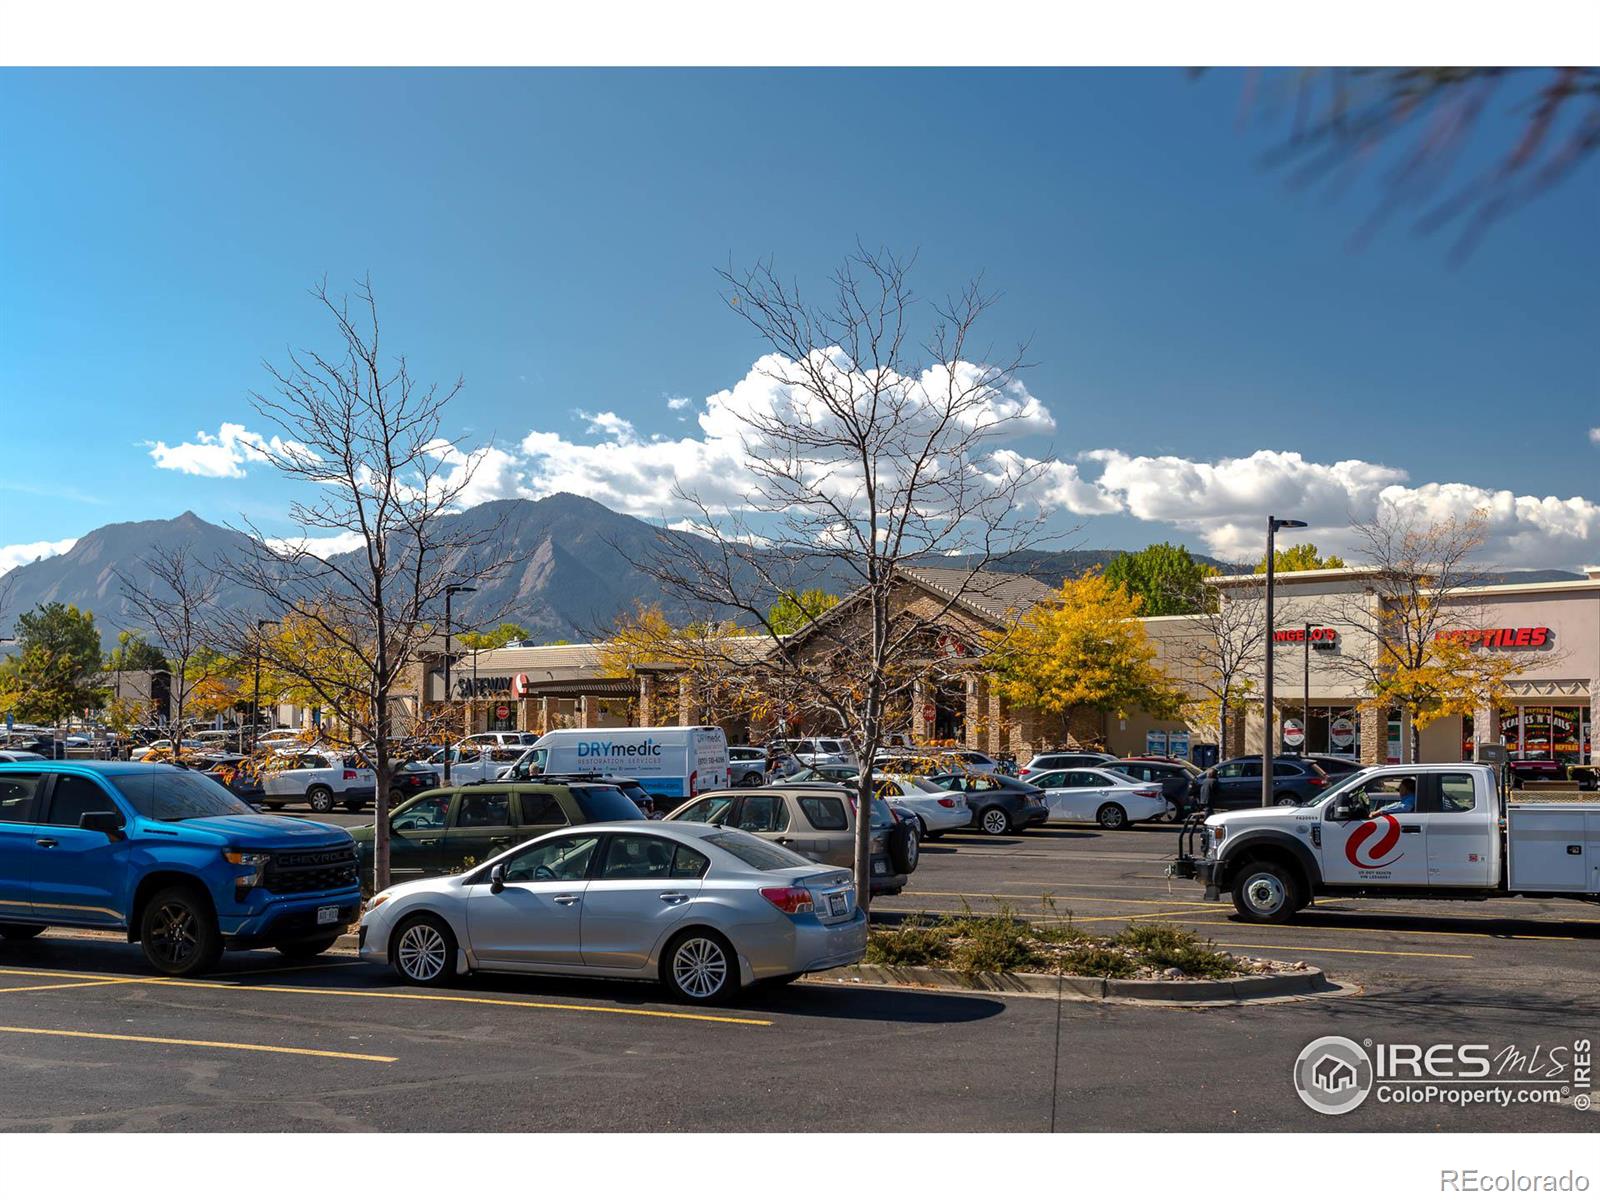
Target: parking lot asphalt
[(90, 1040)]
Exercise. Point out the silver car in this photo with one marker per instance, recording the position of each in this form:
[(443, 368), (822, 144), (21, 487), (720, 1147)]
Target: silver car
[(703, 909)]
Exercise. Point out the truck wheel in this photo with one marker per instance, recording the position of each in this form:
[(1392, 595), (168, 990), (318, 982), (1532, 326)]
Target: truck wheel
[(994, 820), (20, 933), (1266, 893), (320, 799), (396, 797), (424, 950), (178, 932), (307, 949), (1112, 816)]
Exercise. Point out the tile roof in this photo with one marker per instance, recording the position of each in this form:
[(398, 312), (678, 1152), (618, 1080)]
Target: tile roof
[(991, 594)]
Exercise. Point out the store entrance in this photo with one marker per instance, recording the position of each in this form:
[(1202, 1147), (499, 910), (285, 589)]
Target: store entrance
[(1560, 732)]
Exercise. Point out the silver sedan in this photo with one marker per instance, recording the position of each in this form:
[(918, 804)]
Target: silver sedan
[(703, 909)]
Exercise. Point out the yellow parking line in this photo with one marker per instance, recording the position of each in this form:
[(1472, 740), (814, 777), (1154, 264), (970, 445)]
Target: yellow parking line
[(56, 987), (1444, 933), (377, 995), (1043, 891), (1340, 950), (161, 1041), (1131, 918)]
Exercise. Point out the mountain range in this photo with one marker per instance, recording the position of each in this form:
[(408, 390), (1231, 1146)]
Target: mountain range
[(575, 567)]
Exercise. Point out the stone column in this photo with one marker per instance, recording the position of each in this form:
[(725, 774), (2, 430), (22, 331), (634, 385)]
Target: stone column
[(647, 700), (1374, 736), (973, 711), (997, 726), (544, 714), (919, 726), (1485, 726), (685, 702), (1594, 705)]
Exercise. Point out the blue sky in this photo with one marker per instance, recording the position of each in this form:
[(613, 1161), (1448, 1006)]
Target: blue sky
[(552, 236)]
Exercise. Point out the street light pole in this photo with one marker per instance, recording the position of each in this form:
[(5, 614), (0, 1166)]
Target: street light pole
[(1268, 717), (255, 712), (1305, 698), (450, 589)]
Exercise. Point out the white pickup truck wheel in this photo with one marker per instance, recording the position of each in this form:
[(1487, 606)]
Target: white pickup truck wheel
[(1266, 893)]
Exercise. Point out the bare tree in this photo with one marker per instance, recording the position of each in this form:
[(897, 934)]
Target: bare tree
[(876, 452), (177, 600), (385, 481), (1408, 653), (1220, 653)]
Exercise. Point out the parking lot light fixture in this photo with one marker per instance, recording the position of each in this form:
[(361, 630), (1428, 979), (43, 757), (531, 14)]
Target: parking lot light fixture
[(1268, 717)]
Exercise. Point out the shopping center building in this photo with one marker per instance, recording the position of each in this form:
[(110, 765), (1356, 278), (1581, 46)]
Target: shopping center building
[(1322, 647)]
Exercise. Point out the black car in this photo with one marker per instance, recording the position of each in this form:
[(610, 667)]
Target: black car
[(1236, 783), (999, 803), (1179, 780)]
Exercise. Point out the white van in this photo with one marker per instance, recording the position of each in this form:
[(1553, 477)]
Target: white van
[(674, 762)]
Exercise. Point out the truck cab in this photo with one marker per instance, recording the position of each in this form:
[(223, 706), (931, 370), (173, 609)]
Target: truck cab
[(1433, 830), (169, 857)]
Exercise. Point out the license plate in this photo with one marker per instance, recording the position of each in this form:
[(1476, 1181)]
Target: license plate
[(327, 914), (836, 904), (879, 868)]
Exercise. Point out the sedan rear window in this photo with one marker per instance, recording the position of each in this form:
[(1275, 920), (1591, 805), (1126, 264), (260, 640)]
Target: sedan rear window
[(754, 852)]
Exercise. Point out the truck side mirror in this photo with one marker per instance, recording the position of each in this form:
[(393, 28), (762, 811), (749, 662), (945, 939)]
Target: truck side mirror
[(109, 823), (497, 878)]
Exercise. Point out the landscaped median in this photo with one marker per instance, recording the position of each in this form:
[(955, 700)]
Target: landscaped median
[(1001, 952)]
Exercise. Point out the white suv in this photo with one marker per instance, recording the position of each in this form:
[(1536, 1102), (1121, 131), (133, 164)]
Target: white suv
[(321, 779), (497, 739), (477, 762), (820, 751)]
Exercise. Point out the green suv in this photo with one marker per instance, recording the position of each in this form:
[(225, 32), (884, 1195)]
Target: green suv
[(449, 829)]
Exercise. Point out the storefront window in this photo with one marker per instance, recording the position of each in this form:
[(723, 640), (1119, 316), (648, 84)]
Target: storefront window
[(1330, 729), (1558, 731)]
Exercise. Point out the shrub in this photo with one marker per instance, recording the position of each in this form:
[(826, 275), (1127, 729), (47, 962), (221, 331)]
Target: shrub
[(908, 945), (996, 942), (1163, 946), (1100, 961)]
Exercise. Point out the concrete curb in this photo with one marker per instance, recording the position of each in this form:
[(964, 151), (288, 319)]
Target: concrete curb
[(1084, 987)]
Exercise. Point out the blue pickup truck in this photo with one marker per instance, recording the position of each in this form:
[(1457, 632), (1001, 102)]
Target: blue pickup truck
[(170, 857)]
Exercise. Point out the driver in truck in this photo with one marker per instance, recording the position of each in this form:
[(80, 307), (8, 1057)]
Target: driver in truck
[(1405, 802)]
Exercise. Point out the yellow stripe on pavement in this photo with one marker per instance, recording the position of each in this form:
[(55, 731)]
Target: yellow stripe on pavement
[(609, 1010), (1338, 950), (56, 987), (161, 1041)]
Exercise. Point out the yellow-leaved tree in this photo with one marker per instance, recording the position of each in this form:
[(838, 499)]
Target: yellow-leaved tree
[(1084, 648)]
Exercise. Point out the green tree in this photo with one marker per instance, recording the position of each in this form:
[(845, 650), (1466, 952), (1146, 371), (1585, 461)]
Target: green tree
[(794, 612), (1084, 647), (1304, 557), (133, 653), (57, 670), (1164, 576), (493, 639)]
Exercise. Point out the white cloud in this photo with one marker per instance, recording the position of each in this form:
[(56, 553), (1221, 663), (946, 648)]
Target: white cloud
[(321, 546), (22, 553), (221, 455), (1594, 435), (1225, 503), (678, 403)]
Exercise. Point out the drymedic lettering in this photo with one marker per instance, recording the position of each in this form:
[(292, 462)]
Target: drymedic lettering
[(1532, 637), (649, 748)]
